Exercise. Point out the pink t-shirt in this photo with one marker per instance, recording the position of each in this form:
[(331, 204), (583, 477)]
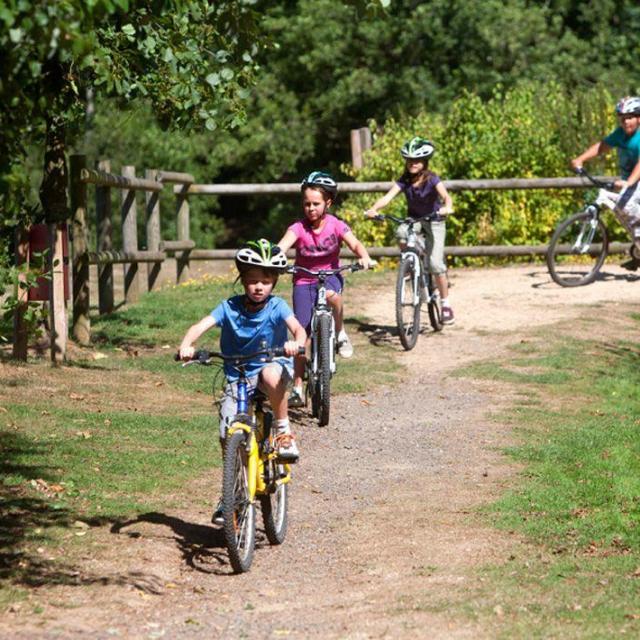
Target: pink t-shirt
[(318, 249)]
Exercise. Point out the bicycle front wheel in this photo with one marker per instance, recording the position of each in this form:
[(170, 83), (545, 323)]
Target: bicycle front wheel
[(323, 378), (408, 303), (577, 250), (239, 511), (434, 305)]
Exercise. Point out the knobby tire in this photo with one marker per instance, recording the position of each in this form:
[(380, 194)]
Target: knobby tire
[(274, 505), (239, 513), (567, 233), (435, 305), (407, 312), (323, 382)]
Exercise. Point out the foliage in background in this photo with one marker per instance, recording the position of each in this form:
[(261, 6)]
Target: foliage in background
[(529, 131)]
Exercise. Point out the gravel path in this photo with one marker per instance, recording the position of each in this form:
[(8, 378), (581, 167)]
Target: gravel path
[(382, 533)]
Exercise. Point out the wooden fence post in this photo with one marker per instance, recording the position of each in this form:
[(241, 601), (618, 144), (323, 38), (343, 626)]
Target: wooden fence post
[(130, 238), (360, 142), (20, 333), (58, 320), (152, 199), (104, 229), (182, 218), (81, 321)]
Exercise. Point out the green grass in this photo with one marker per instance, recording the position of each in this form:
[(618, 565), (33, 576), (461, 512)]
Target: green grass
[(578, 499)]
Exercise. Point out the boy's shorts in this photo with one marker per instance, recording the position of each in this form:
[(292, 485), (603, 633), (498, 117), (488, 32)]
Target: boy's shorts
[(229, 402), (305, 295), (629, 202)]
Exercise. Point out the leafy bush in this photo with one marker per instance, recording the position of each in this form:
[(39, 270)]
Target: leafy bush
[(530, 131)]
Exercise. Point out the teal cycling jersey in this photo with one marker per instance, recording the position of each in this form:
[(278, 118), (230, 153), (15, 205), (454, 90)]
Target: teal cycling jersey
[(628, 149)]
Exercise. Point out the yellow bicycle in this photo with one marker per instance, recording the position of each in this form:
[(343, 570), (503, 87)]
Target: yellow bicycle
[(251, 470)]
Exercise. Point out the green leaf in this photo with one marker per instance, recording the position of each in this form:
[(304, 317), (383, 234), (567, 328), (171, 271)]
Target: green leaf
[(15, 35), (213, 79), (128, 29), (227, 73), (211, 124)]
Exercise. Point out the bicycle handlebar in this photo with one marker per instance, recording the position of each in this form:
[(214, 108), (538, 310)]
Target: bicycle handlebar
[(408, 220), (325, 272), (202, 356), (581, 171)]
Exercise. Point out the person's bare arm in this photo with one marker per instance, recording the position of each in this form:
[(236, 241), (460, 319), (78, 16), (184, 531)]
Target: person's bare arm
[(193, 333), (593, 151), (358, 248), (380, 203), (447, 209)]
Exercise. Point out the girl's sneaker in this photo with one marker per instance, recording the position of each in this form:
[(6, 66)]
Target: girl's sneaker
[(218, 515), (345, 348), (287, 448), (295, 398), (447, 315)]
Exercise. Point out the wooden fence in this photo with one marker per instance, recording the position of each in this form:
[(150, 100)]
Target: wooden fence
[(183, 248)]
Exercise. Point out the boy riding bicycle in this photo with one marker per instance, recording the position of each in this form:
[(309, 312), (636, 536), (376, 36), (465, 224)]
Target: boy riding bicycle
[(247, 323), (626, 139)]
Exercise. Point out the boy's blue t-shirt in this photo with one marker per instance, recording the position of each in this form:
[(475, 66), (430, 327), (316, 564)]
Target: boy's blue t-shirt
[(628, 149), (243, 332)]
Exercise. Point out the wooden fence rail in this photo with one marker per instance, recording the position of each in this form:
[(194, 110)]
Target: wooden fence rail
[(183, 248), (372, 187)]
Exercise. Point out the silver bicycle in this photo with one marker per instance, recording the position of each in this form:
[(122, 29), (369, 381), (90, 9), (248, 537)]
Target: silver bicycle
[(321, 365), (414, 286)]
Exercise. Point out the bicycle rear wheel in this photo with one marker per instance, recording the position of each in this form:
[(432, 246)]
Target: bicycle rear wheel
[(239, 512), (434, 305), (275, 505), (323, 381), (408, 303), (577, 250)]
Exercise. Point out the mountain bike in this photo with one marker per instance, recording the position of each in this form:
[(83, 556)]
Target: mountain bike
[(414, 285), (580, 243), (321, 364), (251, 469)]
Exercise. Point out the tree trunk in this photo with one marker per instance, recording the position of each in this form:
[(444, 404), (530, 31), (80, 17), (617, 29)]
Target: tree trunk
[(53, 196)]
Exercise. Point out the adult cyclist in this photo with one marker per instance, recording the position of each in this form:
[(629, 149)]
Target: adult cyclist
[(626, 139)]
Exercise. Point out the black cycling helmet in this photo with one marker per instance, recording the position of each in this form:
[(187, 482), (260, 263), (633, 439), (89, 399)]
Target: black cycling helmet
[(322, 180)]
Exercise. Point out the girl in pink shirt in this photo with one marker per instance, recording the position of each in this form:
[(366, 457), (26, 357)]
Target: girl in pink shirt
[(317, 239)]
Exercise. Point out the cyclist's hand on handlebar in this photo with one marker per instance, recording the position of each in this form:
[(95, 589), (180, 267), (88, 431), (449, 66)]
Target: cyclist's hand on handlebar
[(365, 263), (292, 348), (371, 213), (445, 211), (576, 165), (621, 185), (186, 353)]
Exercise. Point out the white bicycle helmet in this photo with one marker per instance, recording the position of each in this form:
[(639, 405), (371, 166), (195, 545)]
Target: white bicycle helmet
[(261, 253), (629, 105), (417, 149), (320, 179)]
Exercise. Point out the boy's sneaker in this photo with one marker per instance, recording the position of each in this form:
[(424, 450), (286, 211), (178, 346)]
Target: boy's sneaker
[(447, 315), (296, 399), (218, 515), (345, 348), (286, 447), (631, 265)]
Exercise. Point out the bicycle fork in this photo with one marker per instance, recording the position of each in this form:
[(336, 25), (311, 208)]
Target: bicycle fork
[(419, 285)]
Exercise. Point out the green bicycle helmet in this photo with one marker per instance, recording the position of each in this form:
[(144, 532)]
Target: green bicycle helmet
[(417, 149), (261, 253), (322, 180)]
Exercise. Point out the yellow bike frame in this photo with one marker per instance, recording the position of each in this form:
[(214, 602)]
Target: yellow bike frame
[(255, 461)]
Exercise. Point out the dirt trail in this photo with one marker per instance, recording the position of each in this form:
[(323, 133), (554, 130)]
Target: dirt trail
[(382, 535)]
